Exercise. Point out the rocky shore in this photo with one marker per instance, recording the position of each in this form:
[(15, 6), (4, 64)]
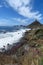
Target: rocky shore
[(29, 51)]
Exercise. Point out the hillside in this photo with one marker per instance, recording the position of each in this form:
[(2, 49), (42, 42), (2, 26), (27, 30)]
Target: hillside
[(32, 51), (28, 52), (35, 24)]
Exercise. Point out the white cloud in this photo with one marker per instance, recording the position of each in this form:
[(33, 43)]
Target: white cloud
[(3, 3), (18, 3), (1, 6), (4, 22), (23, 7), (12, 21), (20, 20)]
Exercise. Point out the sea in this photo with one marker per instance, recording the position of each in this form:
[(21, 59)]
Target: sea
[(10, 35)]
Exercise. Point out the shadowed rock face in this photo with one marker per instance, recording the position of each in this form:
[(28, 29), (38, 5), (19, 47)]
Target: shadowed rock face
[(35, 24)]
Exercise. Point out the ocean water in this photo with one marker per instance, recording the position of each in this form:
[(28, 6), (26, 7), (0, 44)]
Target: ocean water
[(11, 37)]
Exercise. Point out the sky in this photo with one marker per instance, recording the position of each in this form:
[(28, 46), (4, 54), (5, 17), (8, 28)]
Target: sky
[(20, 12)]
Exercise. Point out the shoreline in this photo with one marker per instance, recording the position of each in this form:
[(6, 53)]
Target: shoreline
[(14, 40)]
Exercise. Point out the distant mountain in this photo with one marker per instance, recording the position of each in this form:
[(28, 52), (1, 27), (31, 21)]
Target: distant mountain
[(19, 26), (35, 24)]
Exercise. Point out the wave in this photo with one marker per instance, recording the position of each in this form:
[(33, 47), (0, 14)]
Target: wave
[(11, 37)]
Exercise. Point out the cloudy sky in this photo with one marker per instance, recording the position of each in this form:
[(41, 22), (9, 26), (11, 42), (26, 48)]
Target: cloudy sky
[(20, 12)]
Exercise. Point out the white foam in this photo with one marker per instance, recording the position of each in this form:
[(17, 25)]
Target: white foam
[(11, 37)]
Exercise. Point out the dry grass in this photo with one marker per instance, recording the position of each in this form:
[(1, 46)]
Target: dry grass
[(32, 55)]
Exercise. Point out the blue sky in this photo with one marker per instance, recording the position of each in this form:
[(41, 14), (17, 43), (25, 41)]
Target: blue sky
[(20, 12)]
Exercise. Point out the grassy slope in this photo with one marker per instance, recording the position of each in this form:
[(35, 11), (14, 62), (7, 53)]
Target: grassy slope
[(30, 53)]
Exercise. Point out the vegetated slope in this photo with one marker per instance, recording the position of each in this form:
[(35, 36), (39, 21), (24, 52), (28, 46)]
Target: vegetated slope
[(29, 52), (32, 51)]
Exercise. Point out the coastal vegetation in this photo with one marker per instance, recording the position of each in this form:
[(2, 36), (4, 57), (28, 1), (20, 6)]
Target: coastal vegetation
[(29, 51)]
